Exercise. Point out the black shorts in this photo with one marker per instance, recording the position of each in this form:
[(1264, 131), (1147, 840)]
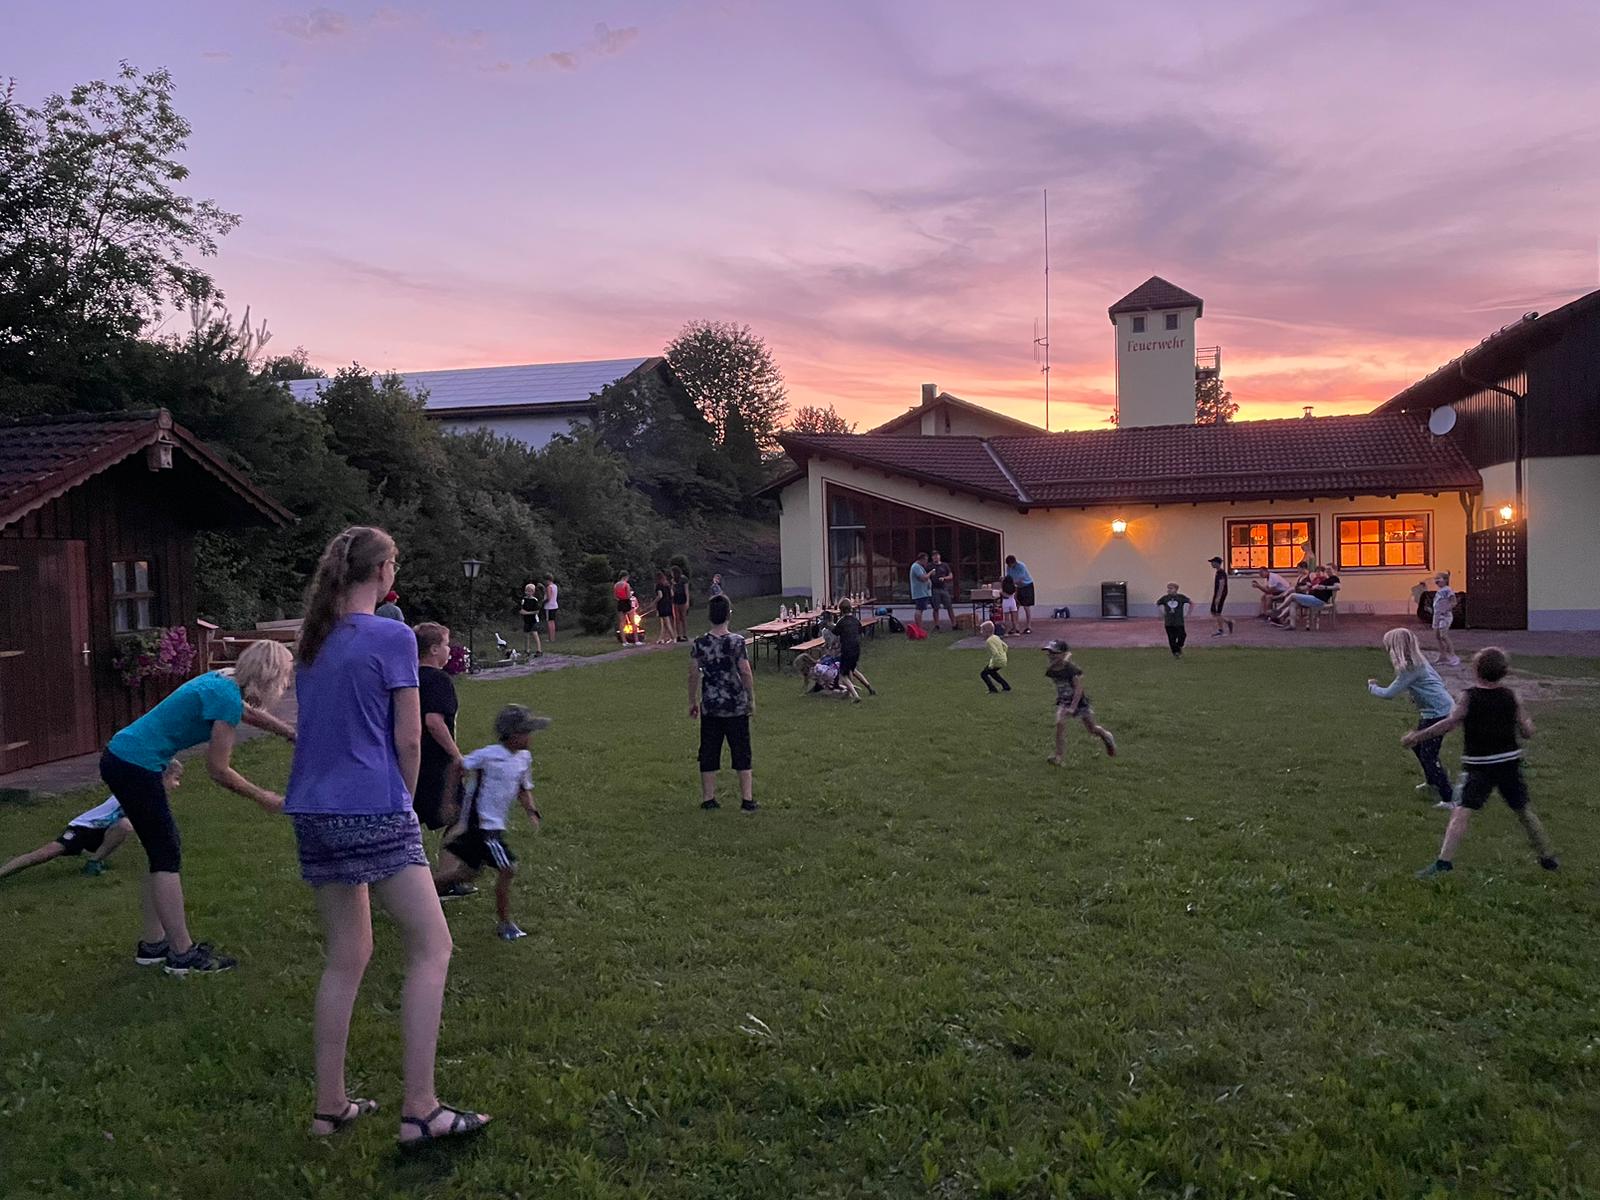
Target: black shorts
[(530, 622), (429, 801), (624, 606), (664, 610), (1025, 595), (79, 839), (1216, 604), (144, 802), (480, 848), (1084, 711), (849, 660), (713, 730), (1478, 783), (680, 598)]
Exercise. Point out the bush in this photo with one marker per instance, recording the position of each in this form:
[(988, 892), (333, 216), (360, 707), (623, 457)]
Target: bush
[(596, 607)]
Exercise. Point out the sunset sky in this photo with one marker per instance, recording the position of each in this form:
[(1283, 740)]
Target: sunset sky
[(1358, 191)]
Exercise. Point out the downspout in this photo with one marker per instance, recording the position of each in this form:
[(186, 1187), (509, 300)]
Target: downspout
[(1518, 418)]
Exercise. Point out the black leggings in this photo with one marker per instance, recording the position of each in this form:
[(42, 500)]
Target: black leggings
[(992, 676), (1177, 635), (1428, 755), (143, 797)]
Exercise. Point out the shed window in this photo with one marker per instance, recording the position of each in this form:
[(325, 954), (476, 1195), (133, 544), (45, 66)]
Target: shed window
[(1375, 542), (1138, 324), (132, 595), (1279, 545), (1172, 320)]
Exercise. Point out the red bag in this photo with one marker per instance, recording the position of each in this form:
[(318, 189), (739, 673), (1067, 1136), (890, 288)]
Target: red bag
[(916, 632)]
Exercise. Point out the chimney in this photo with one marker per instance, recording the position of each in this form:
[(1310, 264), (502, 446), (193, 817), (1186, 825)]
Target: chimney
[(930, 393), (1307, 411)]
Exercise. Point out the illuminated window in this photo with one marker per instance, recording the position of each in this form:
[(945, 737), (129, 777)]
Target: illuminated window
[(1383, 541), (1138, 324), (1172, 320), (132, 596), (1278, 545), (872, 542)]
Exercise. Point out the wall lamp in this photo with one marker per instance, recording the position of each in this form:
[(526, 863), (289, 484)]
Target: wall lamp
[(1118, 527), (1507, 512)]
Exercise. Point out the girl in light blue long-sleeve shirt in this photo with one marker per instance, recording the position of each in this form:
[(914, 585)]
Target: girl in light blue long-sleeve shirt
[(1416, 676)]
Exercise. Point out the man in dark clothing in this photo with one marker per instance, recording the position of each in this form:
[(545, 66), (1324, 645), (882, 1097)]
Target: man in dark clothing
[(1173, 606), (943, 580), (438, 772), (1219, 596), (722, 694), (848, 630)]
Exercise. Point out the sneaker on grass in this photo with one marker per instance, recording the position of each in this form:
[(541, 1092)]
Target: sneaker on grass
[(1435, 869), (749, 806), (94, 867), (1550, 862), (509, 931), (457, 890), (151, 954), (200, 959), (708, 805)]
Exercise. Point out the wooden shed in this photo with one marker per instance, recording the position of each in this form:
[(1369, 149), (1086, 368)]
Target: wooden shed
[(98, 516)]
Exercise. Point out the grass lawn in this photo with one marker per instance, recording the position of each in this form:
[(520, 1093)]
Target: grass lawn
[(570, 638), (931, 966)]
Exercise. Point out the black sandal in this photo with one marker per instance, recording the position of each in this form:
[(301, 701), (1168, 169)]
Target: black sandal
[(354, 1110), (462, 1124)]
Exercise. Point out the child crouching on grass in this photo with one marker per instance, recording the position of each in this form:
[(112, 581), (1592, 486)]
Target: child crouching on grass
[(498, 775), (1491, 717), (997, 660), (1071, 701), (96, 833)]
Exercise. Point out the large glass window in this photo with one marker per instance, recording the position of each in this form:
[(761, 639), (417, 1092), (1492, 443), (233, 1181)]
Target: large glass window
[(132, 596), (1281, 545), (872, 542), (1383, 541)]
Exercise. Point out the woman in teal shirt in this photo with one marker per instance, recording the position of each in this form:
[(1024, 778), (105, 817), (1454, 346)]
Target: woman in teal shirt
[(206, 709)]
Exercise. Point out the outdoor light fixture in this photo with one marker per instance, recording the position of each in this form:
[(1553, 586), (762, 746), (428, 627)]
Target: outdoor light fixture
[(1118, 527), (471, 567), (1507, 512)]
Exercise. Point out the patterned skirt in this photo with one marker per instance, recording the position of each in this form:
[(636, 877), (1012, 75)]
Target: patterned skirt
[(361, 848)]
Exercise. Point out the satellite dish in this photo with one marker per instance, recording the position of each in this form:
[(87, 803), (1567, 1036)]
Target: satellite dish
[(1441, 420)]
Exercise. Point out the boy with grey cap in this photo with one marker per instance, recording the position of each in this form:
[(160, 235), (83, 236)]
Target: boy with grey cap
[(496, 776)]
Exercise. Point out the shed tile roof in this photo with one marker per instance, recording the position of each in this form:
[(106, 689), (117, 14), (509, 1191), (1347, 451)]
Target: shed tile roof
[(43, 457), (1368, 455), (531, 385), (1156, 293)]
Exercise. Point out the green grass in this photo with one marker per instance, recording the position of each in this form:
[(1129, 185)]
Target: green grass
[(932, 966), (571, 640)]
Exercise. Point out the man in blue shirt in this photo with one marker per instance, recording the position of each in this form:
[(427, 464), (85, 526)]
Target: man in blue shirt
[(921, 586), (1019, 575)]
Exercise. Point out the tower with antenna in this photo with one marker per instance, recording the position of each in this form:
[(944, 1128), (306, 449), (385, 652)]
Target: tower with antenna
[(1041, 344)]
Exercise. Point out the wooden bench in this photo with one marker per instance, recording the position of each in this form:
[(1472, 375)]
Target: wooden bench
[(799, 648)]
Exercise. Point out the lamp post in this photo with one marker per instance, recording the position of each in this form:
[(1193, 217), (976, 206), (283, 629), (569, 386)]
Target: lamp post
[(471, 567)]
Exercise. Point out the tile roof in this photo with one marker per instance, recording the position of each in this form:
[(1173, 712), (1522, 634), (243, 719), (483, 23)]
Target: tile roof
[(913, 416), (1155, 293), (532, 385), (43, 457), (1247, 460)]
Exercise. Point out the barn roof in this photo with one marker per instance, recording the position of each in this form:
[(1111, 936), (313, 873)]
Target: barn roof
[(546, 387), (42, 458), (1298, 457)]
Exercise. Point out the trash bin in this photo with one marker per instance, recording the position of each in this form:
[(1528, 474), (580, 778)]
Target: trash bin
[(1114, 600)]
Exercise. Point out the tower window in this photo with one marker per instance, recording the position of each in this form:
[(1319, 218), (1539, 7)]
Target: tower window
[(1138, 324), (1172, 320)]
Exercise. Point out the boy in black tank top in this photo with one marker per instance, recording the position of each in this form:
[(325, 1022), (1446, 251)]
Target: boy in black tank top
[(1491, 718)]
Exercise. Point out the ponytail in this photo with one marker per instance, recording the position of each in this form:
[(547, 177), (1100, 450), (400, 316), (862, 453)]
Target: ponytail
[(352, 557)]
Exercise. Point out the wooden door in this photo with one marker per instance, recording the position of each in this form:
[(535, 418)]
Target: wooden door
[(46, 680), (1497, 577)]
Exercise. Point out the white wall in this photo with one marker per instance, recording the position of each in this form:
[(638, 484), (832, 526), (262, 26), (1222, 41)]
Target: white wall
[(1155, 369), (794, 535), (1563, 511), (963, 423), (531, 429), (1071, 551)]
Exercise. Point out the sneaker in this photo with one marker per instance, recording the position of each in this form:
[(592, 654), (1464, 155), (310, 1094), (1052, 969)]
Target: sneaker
[(1230, 623), (200, 959), (1424, 786), (749, 806), (456, 891), (1435, 869), (1550, 862), (1111, 746), (509, 932), (1218, 633), (1455, 660), (708, 805), (1445, 804), (94, 867), (151, 954)]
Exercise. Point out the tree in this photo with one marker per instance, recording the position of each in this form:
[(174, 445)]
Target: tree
[(596, 604), (1213, 405), (95, 238), (283, 368), (723, 366), (811, 419)]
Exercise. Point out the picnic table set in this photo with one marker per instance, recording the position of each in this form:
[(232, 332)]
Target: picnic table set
[(798, 631)]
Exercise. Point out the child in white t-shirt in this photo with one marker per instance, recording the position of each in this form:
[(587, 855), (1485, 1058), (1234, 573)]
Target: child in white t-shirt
[(498, 776), (1444, 615), (96, 833)]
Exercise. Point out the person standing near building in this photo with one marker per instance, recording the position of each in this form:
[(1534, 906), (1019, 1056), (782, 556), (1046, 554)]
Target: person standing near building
[(921, 587), (530, 609), (1444, 615), (1219, 595), (1174, 607), (722, 695), (552, 606), (1018, 572), (942, 579)]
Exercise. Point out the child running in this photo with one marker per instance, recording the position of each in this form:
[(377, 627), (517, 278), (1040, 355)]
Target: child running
[(848, 630), (1491, 717), (1071, 701), (1415, 675), (502, 773), (96, 833), (1444, 615), (1174, 605), (997, 660)]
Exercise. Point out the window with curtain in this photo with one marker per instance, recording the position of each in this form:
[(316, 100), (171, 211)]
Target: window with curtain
[(1278, 544), (1389, 540), (133, 595)]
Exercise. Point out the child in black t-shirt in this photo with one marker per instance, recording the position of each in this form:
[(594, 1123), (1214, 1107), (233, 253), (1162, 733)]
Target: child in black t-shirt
[(1219, 595), (1173, 606), (1072, 703)]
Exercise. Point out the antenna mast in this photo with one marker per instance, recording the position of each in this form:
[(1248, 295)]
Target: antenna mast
[(1041, 345)]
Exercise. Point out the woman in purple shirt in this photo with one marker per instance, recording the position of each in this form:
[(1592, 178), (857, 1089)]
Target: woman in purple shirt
[(349, 795)]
